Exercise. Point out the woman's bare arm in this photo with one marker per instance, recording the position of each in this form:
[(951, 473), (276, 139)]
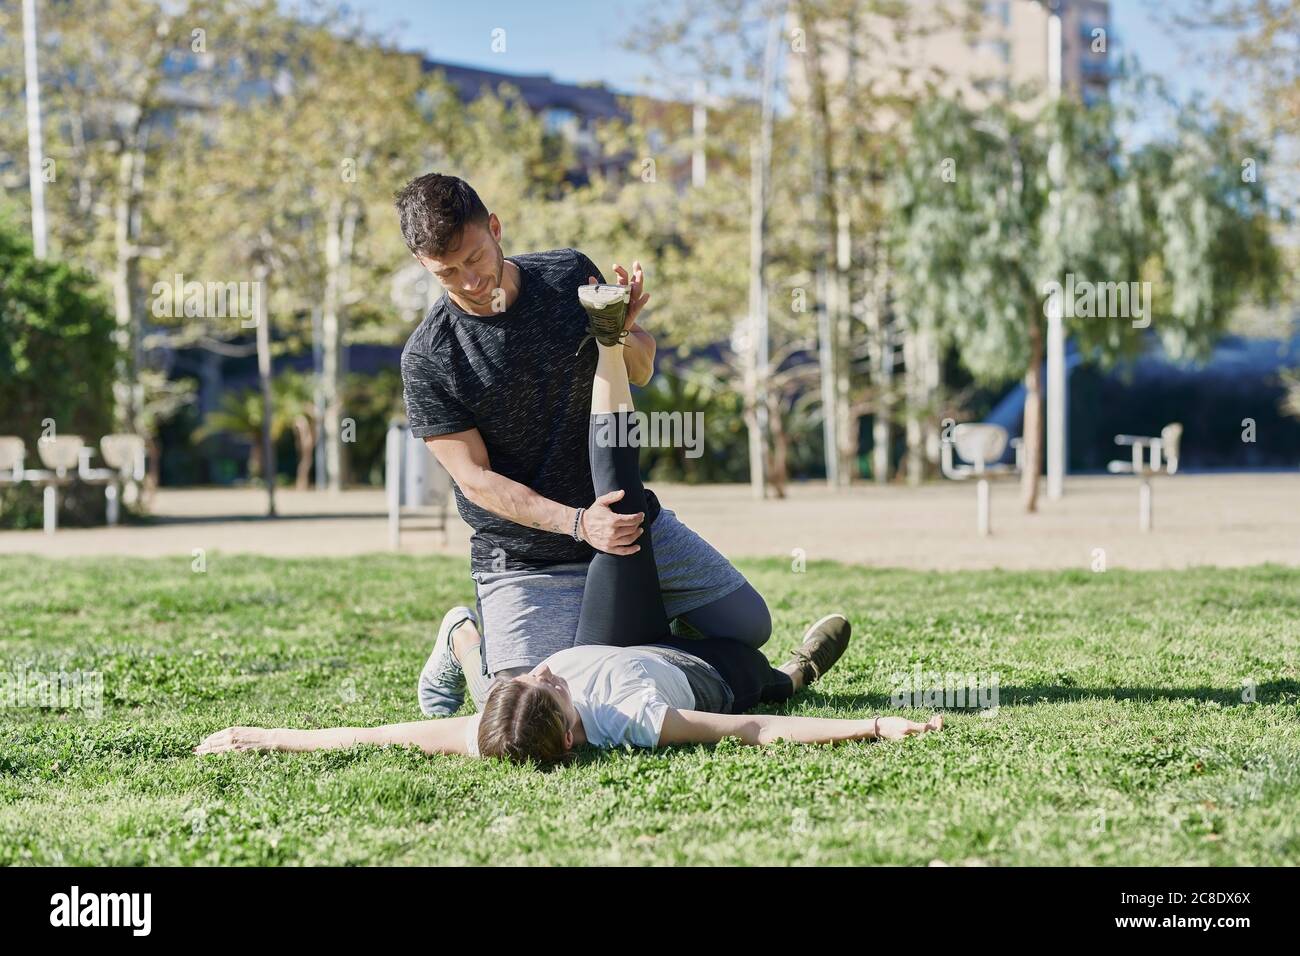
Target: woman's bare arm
[(695, 726), (444, 736)]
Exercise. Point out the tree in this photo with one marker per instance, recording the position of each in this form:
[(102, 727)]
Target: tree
[(1264, 51), (56, 345), (164, 398), (242, 414), (976, 255), (56, 365), (114, 86)]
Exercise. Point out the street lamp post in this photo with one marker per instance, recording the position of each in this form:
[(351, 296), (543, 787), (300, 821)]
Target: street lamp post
[(35, 149)]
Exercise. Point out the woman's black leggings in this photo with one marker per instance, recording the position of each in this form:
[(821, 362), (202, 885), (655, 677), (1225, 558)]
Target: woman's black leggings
[(621, 601)]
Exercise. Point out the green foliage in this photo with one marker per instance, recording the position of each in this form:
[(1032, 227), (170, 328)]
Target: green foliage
[(711, 417), (1122, 736), (1207, 231), (973, 256), (1291, 400), (56, 346), (372, 402), (56, 363)]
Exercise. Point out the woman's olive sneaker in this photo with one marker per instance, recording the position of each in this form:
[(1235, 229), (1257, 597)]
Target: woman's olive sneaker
[(823, 644), (606, 307)]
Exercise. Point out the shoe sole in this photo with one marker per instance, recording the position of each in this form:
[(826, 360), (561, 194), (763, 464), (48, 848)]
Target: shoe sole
[(444, 638)]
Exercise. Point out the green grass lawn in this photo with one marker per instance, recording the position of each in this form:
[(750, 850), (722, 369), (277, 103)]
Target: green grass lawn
[(1122, 736)]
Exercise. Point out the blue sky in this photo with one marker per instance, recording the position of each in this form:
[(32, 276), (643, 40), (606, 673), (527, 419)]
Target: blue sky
[(578, 40), (542, 36)]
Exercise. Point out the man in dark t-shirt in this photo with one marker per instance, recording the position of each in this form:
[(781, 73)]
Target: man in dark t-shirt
[(498, 384)]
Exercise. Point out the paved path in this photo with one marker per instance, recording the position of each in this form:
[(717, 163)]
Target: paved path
[(1220, 520)]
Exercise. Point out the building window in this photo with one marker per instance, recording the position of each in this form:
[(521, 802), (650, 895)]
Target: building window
[(999, 49), (998, 11), (557, 119)]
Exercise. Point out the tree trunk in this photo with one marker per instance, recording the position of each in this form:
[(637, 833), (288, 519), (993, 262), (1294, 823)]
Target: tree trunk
[(755, 327), (1033, 418), (830, 278), (304, 433), (750, 398), (153, 476), (932, 370), (847, 430), (826, 369), (760, 173), (126, 274), (331, 336), (264, 377), (340, 230), (913, 400), (778, 471), (330, 390), (882, 356)]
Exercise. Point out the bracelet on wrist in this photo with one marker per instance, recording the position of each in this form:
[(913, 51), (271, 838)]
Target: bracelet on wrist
[(577, 524)]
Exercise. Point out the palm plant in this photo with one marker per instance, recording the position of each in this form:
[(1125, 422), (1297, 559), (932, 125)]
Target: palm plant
[(293, 410), (1291, 400)]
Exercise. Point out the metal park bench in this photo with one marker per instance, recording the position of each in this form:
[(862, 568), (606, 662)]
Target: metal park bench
[(61, 456), (124, 455), (1151, 457), (982, 447), (67, 459), (13, 451)]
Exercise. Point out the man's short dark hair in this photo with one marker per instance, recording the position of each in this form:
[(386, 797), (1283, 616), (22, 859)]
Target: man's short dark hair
[(433, 209)]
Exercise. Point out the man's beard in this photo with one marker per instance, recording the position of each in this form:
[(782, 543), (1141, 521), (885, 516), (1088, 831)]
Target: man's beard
[(492, 289)]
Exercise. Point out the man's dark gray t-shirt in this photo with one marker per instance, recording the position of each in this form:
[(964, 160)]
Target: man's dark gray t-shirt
[(516, 378)]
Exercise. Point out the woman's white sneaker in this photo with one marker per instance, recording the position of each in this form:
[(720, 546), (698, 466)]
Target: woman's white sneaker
[(441, 688)]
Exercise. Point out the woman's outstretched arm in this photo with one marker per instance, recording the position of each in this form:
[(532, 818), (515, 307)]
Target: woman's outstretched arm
[(698, 727), (444, 736)]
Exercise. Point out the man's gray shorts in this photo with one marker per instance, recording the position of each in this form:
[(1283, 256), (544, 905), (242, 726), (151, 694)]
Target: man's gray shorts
[(528, 615)]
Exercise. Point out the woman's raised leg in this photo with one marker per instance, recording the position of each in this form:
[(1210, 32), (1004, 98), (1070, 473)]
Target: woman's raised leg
[(621, 602)]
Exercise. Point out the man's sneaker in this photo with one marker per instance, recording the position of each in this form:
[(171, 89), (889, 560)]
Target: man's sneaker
[(606, 307), (441, 688), (823, 644)]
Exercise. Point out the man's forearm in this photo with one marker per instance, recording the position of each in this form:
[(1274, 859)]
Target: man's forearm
[(518, 503)]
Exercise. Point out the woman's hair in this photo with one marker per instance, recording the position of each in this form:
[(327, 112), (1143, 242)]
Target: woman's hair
[(521, 722)]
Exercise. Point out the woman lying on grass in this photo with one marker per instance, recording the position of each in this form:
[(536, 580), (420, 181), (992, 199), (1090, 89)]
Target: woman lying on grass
[(627, 680)]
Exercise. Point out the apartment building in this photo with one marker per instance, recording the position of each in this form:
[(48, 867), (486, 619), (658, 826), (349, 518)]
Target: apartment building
[(981, 50)]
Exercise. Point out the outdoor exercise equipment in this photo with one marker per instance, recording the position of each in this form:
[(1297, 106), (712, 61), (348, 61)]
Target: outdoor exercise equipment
[(12, 452), (124, 455), (60, 455), (1151, 457), (982, 446)]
